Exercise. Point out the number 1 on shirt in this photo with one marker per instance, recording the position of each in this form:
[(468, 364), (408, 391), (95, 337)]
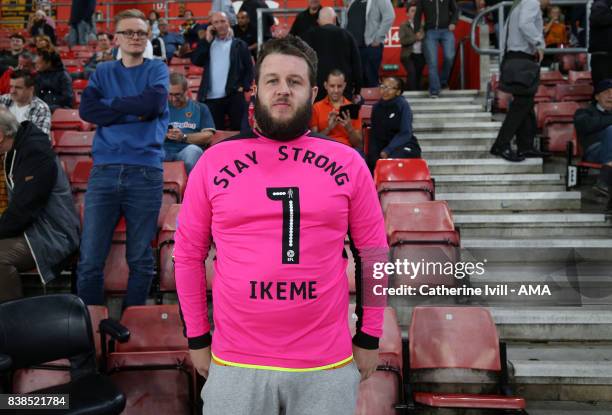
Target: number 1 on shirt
[(290, 196)]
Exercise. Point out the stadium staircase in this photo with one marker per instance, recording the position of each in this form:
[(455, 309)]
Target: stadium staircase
[(520, 218)]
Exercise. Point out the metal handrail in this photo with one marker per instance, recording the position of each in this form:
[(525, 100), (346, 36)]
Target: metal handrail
[(501, 39)]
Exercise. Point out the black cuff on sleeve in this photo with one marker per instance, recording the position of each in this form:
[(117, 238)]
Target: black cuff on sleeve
[(365, 341), (200, 342)]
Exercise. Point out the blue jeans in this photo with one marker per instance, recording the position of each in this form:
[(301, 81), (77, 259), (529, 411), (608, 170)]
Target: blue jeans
[(114, 190), (371, 59), (447, 39), (190, 154), (601, 152)]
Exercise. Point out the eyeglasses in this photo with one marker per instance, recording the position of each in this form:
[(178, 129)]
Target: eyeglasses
[(140, 34), (385, 87), (178, 95)]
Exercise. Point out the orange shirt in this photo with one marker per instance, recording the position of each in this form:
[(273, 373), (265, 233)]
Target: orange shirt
[(320, 115), (556, 34)]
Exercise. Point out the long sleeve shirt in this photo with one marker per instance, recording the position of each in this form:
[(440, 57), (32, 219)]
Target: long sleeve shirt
[(526, 28)]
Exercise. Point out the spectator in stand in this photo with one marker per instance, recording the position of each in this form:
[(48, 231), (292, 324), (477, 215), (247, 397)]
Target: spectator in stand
[(228, 72), (336, 49), (600, 40), (191, 122), (555, 33), (246, 31), (307, 19), (103, 54), (594, 130), (128, 101), (172, 40), (251, 6), (191, 28), (369, 22), (226, 7), (40, 227), (24, 63), (411, 55), (82, 26), (24, 105), (440, 21), (158, 47), (53, 83), (525, 41), (326, 118), (43, 43), (392, 135), (154, 23), (9, 58), (40, 26)]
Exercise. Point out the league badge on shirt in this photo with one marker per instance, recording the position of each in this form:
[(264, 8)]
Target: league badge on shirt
[(188, 114)]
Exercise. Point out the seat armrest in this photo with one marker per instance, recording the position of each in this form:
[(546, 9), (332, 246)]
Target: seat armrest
[(115, 330)]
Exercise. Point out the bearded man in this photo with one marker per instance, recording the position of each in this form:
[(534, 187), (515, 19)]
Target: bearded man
[(278, 202)]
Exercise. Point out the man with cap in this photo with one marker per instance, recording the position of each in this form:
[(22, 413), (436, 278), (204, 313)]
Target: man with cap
[(594, 129)]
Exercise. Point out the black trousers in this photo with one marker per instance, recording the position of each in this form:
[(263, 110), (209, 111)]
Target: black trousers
[(414, 66), (520, 121), (601, 67), (234, 106)]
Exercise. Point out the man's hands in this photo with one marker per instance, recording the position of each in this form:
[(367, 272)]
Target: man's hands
[(201, 360), (335, 118), (451, 27), (384, 155), (420, 35), (174, 134), (540, 55), (366, 361)]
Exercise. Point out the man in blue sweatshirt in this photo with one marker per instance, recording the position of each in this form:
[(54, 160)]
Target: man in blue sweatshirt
[(127, 100)]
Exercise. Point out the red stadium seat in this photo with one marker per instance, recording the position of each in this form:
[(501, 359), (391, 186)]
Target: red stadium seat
[(557, 136), (366, 132), (175, 180), (68, 119), (153, 367), (194, 71), (582, 60), (402, 181), (552, 78), (181, 61), (459, 338), (81, 48), (73, 146), (116, 270), (393, 170), (567, 63), (78, 180), (66, 55), (370, 95), (575, 92), (221, 135), (74, 68), (177, 69), (194, 83), (79, 84), (576, 77), (544, 94), (548, 112), (502, 101), (366, 114)]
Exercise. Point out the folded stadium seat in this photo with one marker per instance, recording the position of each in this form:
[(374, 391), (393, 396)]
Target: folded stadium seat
[(582, 61), (379, 394), (67, 55), (194, 83), (370, 95), (181, 61), (575, 92), (77, 98), (567, 63), (57, 372), (153, 367), (78, 180), (544, 94), (177, 68), (424, 233), (194, 72), (552, 78), (73, 146), (459, 338), (175, 180), (548, 112), (165, 260), (558, 135), (43, 329), (74, 69), (221, 135), (502, 100), (68, 119), (576, 77), (79, 84), (365, 112), (403, 180)]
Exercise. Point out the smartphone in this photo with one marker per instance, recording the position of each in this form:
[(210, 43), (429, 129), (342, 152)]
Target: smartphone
[(353, 110)]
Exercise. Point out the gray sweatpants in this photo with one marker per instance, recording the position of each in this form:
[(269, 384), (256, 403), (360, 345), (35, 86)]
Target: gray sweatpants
[(240, 391)]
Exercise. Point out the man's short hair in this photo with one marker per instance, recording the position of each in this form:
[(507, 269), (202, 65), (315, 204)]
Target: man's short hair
[(27, 55), (130, 14), (108, 35), (8, 123), (289, 45), (17, 36), (28, 79), (179, 79), (336, 72)]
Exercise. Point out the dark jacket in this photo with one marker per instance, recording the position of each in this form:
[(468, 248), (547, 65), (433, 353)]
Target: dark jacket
[(240, 71), (251, 6), (590, 121), (40, 201), (81, 10), (439, 14), (336, 49), (407, 38), (55, 88), (43, 28), (600, 39), (392, 126), (304, 21)]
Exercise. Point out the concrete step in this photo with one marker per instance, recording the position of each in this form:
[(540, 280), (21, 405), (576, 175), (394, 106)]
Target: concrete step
[(451, 93), (420, 118), (483, 166), (512, 201), (432, 139), (529, 224), (448, 108), (539, 249), (475, 183), (441, 101), (541, 407), (442, 125), (470, 151)]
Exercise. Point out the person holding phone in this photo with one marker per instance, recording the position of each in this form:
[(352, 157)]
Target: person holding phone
[(329, 120)]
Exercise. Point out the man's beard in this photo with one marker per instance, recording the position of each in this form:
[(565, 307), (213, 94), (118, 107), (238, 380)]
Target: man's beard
[(285, 130)]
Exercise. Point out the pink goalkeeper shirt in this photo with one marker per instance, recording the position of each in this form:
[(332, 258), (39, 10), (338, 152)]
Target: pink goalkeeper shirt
[(278, 213)]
